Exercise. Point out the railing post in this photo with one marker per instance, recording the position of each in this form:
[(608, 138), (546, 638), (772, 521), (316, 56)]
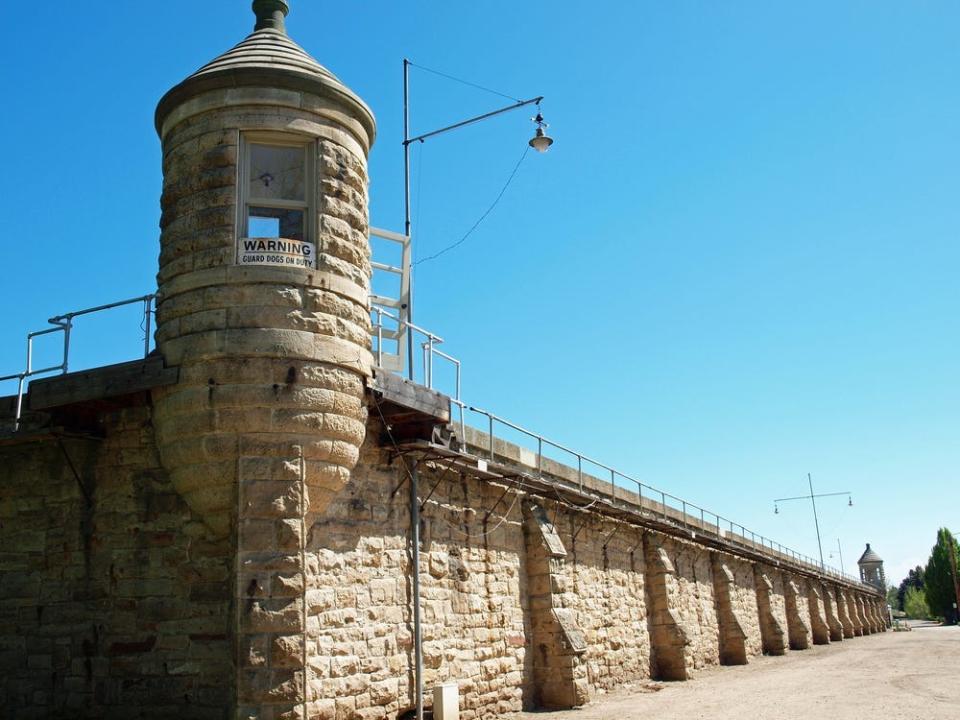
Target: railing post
[(379, 313), (580, 472), (613, 484), (490, 418), (66, 343), (539, 456), (146, 324), (663, 504), (430, 359), (16, 419), (426, 379)]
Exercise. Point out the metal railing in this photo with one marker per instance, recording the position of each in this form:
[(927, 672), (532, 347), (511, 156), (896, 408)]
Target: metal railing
[(64, 324), (647, 498), (617, 486), (430, 351)]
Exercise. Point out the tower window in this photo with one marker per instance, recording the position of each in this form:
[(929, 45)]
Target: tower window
[(275, 190)]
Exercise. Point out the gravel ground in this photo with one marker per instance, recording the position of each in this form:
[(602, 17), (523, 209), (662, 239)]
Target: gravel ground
[(894, 676)]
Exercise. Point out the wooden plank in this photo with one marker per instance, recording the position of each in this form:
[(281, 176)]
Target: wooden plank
[(399, 391), (99, 383)]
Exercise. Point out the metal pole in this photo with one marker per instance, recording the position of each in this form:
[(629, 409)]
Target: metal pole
[(478, 118), (840, 551), (146, 322), (406, 207), (66, 343), (415, 562), (16, 420), (816, 522)]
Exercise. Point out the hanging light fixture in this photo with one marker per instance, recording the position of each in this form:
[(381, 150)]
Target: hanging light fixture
[(540, 142), (850, 501), (776, 510)]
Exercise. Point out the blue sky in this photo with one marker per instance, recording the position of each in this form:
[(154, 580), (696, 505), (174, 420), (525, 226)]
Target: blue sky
[(738, 264)]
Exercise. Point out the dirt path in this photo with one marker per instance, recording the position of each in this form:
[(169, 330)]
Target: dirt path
[(894, 676)]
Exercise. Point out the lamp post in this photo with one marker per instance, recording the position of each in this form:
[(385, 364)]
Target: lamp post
[(840, 552), (540, 142), (812, 498)]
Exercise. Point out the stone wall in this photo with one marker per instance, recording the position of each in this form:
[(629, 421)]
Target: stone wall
[(113, 595), (127, 602)]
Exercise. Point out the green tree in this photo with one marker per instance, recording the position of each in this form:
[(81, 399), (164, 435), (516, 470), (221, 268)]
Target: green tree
[(915, 604), (892, 599), (914, 579), (938, 576)]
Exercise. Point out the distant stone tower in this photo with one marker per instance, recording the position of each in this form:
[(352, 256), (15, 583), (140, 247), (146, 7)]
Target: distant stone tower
[(263, 281), (871, 569)]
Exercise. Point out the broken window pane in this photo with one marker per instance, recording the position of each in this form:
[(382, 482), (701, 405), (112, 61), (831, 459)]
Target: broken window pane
[(275, 223), (277, 172)]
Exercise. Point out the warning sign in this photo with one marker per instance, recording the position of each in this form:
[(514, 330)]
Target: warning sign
[(276, 251)]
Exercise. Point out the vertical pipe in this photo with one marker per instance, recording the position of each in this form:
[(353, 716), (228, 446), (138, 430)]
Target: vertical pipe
[(146, 324), (613, 484), (430, 359), (539, 456), (415, 567), (379, 337), (426, 371), (816, 522), (490, 418), (16, 420), (406, 206), (580, 472), (458, 385), (66, 343)]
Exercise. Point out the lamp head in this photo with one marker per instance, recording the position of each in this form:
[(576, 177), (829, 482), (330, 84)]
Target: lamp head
[(541, 142)]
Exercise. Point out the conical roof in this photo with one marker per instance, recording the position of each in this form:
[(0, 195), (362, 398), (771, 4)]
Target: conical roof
[(869, 556), (267, 57)]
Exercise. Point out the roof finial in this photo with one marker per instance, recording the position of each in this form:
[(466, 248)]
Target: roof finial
[(270, 14)]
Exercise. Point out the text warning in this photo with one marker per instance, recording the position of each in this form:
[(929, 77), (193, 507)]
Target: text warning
[(276, 251)]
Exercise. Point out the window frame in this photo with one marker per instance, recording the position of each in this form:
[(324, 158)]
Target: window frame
[(244, 202)]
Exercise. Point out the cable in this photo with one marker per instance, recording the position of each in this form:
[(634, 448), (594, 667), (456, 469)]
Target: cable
[(464, 82), (482, 217)]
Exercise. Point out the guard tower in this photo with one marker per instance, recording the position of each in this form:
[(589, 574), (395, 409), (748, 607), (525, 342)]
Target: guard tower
[(871, 569), (263, 305)]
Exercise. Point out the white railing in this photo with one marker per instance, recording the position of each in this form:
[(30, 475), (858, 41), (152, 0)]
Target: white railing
[(64, 324)]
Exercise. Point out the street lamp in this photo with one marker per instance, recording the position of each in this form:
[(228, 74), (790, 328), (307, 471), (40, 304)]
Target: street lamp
[(840, 551), (811, 497), (539, 142)]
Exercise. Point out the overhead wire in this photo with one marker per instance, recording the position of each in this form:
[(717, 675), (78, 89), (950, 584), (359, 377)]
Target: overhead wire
[(483, 216), (464, 82)]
